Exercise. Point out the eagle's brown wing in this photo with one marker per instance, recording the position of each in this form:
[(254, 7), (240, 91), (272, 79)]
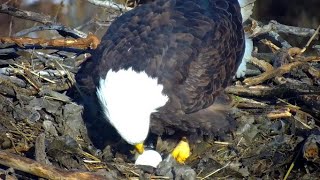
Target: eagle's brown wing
[(193, 47), (208, 72)]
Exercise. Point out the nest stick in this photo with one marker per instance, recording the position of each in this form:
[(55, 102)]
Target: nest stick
[(43, 170)]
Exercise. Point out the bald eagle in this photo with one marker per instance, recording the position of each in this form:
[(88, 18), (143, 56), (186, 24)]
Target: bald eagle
[(160, 67)]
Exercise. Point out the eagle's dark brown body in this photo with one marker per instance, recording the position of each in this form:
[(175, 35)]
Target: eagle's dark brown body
[(193, 47)]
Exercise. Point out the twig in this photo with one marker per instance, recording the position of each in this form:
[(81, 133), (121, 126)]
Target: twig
[(278, 71), (270, 44), (277, 37), (304, 124), (29, 15), (44, 57), (222, 143), (74, 33), (40, 74), (265, 66), (279, 113), (297, 110), (268, 91), (15, 48), (310, 40), (50, 72), (241, 102), (69, 76), (253, 91), (30, 78), (9, 135), (109, 4), (34, 73), (19, 132), (212, 173), (273, 73), (292, 164)]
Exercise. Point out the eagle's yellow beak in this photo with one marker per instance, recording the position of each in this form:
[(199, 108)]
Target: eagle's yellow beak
[(139, 148), (182, 151)]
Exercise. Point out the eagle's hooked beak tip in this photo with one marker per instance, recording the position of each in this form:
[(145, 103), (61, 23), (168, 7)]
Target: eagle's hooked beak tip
[(139, 148)]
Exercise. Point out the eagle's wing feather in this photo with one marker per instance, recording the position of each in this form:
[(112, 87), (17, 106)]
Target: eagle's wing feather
[(209, 71)]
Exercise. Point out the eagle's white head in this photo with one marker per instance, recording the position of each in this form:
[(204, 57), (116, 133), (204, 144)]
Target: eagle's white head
[(127, 99)]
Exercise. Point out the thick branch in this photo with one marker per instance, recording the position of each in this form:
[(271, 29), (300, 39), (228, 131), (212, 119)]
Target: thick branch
[(281, 28), (91, 41), (40, 18), (42, 170)]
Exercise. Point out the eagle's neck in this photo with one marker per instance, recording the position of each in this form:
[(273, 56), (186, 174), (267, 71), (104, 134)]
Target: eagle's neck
[(127, 99)]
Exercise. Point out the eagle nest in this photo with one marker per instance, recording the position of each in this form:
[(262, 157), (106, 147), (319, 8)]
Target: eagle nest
[(272, 122)]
